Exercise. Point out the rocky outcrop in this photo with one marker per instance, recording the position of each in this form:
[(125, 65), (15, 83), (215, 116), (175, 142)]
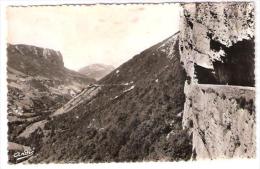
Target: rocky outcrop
[(223, 121), (216, 38), (41, 62), (217, 52), (49, 55)]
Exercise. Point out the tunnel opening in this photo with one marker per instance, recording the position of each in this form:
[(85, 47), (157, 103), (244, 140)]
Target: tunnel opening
[(236, 68), (204, 75)]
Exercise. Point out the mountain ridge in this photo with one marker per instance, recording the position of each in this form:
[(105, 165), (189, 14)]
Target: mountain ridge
[(97, 70)]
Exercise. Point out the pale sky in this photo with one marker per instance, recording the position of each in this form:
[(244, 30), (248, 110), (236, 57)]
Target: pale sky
[(109, 34)]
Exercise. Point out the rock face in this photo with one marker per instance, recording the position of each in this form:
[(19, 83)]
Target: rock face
[(50, 56), (217, 52), (96, 71), (223, 121), (215, 39)]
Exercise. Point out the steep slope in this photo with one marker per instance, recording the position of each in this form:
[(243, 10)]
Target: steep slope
[(38, 84), (136, 114), (96, 71)]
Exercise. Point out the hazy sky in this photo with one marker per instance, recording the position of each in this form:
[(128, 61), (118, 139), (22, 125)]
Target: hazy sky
[(109, 34)]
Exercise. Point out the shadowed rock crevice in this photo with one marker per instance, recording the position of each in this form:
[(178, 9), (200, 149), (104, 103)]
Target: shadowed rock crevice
[(204, 75), (235, 68)]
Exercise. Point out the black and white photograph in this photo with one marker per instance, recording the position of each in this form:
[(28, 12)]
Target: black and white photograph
[(130, 82)]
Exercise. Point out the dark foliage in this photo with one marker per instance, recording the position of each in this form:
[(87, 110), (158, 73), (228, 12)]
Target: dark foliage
[(125, 126)]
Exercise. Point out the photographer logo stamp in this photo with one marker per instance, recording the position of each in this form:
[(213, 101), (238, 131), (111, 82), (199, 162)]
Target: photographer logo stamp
[(24, 154)]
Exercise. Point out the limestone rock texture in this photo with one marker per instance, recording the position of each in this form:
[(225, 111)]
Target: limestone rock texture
[(223, 121), (49, 55), (216, 44)]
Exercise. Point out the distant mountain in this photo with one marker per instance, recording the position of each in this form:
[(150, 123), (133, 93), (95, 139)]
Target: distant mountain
[(38, 84), (132, 114), (96, 71)]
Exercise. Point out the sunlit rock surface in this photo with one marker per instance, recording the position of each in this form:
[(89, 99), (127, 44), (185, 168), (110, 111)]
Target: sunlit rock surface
[(223, 121), (217, 52)]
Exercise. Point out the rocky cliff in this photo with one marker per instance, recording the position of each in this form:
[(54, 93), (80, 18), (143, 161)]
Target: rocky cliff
[(41, 62), (51, 56), (217, 52)]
